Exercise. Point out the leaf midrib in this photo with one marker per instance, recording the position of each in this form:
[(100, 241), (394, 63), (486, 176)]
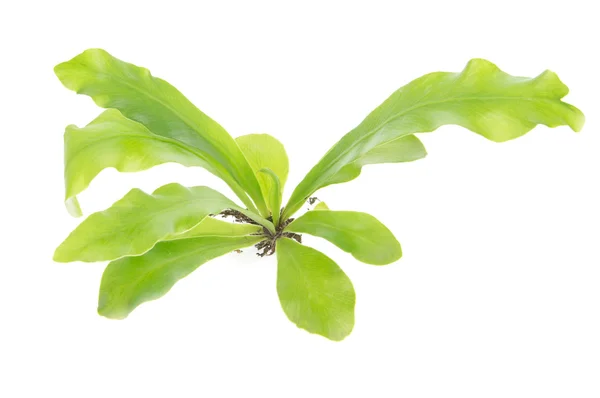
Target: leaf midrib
[(305, 282), (171, 259), (154, 267), (191, 126), (345, 231), (148, 137), (141, 90), (309, 286), (428, 103), (185, 120), (425, 104), (151, 216)]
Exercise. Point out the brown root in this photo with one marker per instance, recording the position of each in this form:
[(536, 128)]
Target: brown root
[(238, 216), (267, 246)]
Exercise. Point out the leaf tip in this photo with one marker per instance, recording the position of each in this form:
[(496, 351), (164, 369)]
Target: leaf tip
[(336, 334), (105, 311), (73, 207), (69, 72), (577, 121), (339, 338), (108, 308), (66, 252), (58, 69), (59, 255)]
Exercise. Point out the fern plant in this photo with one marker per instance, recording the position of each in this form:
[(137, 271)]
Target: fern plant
[(153, 240)]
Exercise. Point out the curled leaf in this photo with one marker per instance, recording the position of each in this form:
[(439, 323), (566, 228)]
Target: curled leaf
[(133, 225), (266, 152), (274, 195), (112, 140), (481, 98), (404, 149), (164, 110)]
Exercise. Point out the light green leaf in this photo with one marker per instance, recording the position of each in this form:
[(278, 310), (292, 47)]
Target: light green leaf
[(314, 292), (213, 227), (112, 140), (404, 149), (136, 222), (274, 195), (266, 152), (321, 206), (481, 98), (131, 281), (153, 102), (359, 234)]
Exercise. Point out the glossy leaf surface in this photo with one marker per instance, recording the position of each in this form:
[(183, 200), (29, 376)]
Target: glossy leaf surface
[(265, 152), (274, 194), (359, 234), (313, 290), (481, 98), (156, 239), (112, 140), (159, 106), (321, 206), (132, 225), (214, 227), (130, 281), (404, 149)]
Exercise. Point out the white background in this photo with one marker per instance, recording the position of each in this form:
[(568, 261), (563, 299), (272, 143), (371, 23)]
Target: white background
[(497, 294)]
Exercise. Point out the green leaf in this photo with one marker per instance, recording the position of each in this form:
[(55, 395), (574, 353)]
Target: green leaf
[(404, 149), (112, 140), (321, 206), (213, 227), (153, 102), (274, 196), (359, 234), (314, 292), (265, 152), (481, 98), (136, 222), (131, 281)]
